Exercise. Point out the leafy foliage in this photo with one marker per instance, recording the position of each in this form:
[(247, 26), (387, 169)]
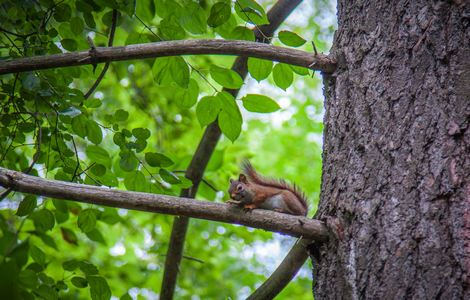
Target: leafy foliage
[(260, 103), (291, 38), (137, 132)]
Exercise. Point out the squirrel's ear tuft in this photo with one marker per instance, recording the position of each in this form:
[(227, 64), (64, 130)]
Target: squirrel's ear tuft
[(242, 178), (231, 180)]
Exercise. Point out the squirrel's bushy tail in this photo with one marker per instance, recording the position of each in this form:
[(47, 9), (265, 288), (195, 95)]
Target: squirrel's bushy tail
[(280, 184)]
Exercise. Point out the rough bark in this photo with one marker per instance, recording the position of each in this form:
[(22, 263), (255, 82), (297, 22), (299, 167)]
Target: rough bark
[(287, 224), (396, 184), (170, 48)]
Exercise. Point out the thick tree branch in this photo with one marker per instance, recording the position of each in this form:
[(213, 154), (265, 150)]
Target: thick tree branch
[(267, 220), (195, 171), (284, 272), (170, 48)]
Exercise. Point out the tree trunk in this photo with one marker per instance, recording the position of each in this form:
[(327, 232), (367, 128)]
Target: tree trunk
[(396, 179)]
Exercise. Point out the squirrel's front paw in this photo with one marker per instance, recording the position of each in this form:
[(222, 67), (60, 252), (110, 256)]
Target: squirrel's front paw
[(234, 202), (248, 207)]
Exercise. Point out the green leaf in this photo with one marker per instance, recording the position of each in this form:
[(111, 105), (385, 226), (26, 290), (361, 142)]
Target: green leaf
[(70, 265), (169, 177), (166, 8), (37, 255), (170, 29), (98, 170), (136, 181), (260, 103), (61, 285), (27, 205), (43, 219), (69, 236), (19, 253), (77, 25), (251, 12), (99, 288), (88, 268), (226, 77), (193, 18), (110, 216), (94, 133), (96, 236), (128, 161), (126, 296), (28, 279), (30, 82), (127, 133), (79, 125), (119, 139), (242, 33), (60, 205), (220, 13), (141, 133), (89, 19), (259, 68), (26, 127), (300, 70), (171, 69), (98, 155), (158, 160), (61, 217), (69, 44), (291, 39), (46, 279), (186, 98), (48, 241), (93, 103), (46, 292), (79, 282), (230, 119), (121, 115), (87, 220), (282, 75), (62, 13), (207, 110)]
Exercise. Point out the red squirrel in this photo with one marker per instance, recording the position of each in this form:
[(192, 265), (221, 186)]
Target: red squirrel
[(255, 191)]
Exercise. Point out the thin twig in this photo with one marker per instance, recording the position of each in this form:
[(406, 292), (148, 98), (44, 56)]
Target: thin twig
[(17, 34), (188, 258), (106, 66), (314, 48), (76, 157), (203, 180)]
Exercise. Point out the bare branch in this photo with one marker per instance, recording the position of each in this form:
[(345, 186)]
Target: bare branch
[(263, 219), (171, 48)]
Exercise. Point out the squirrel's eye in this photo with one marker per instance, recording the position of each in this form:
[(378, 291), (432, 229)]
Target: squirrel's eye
[(239, 188)]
